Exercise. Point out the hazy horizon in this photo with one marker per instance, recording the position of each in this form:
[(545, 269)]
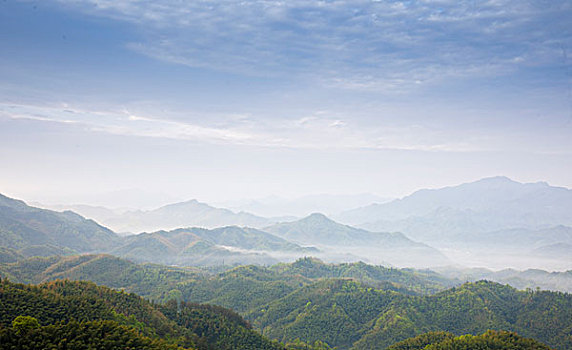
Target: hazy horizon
[(142, 200)]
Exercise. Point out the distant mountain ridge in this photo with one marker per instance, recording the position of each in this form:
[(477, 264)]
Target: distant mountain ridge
[(319, 229), (190, 213), (22, 226), (328, 204), (377, 247), (473, 220), (198, 246), (29, 231), (531, 278), (536, 203), (223, 245), (494, 223)]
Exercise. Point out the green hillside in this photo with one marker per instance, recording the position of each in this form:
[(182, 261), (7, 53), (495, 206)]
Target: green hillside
[(355, 306), (27, 333), (241, 288), (347, 314), (61, 308), (22, 226), (491, 340), (147, 280), (200, 247)]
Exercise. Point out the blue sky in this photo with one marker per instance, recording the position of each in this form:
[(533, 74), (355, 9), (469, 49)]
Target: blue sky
[(221, 100)]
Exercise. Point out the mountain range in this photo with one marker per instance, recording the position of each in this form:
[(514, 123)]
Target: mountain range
[(314, 235), (348, 305), (328, 204), (28, 228), (197, 246), (376, 247), (494, 223), (190, 213), (500, 200), (491, 222)]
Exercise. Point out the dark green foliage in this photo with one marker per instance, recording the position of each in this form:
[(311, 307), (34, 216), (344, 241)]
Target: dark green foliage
[(347, 314), (246, 288), (108, 335), (334, 311), (242, 288), (297, 344), (491, 340), (81, 301), (221, 328), (83, 306), (421, 341), (24, 324), (312, 301), (402, 280), (474, 308), (148, 280)]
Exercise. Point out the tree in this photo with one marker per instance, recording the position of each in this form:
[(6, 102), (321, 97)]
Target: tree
[(23, 324)]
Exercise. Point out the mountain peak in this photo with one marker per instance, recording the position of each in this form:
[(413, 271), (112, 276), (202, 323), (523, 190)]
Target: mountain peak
[(186, 204), (11, 202), (317, 217), (190, 201), (497, 180)]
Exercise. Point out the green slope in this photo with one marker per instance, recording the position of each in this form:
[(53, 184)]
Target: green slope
[(22, 226), (83, 306), (200, 247), (346, 314), (354, 306), (148, 280), (491, 340)]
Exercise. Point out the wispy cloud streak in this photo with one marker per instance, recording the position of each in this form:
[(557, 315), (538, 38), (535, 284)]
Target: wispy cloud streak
[(390, 46), (318, 131), (321, 130)]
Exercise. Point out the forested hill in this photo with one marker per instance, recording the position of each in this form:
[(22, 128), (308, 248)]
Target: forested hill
[(348, 315), (491, 340), (82, 314), (348, 306), (36, 231), (355, 306), (158, 281)]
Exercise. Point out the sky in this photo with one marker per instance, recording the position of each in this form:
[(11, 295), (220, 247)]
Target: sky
[(140, 103)]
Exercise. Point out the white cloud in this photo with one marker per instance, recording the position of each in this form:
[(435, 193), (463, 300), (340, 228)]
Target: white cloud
[(321, 130), (371, 45)]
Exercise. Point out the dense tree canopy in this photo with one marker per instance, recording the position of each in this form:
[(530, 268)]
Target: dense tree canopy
[(355, 306), (84, 315), (490, 340)]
